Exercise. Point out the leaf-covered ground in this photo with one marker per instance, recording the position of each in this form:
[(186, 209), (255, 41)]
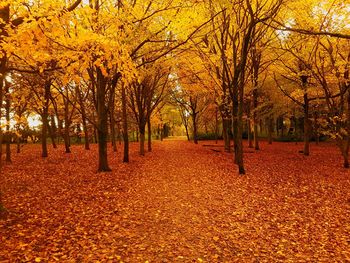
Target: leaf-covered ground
[(181, 203)]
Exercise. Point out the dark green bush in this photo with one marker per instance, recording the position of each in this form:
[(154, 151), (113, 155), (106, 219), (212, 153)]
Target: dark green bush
[(208, 136)]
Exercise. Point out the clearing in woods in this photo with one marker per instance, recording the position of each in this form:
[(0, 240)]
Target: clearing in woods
[(180, 203)]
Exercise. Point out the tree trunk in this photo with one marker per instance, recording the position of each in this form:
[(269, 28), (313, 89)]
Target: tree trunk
[(8, 135), (44, 134), (18, 142), (187, 133), (120, 135), (66, 128), (216, 126), (270, 129), (113, 133), (60, 129), (102, 122), (255, 119), (83, 118), (5, 18), (239, 135), (250, 142), (1, 133), (306, 126), (125, 126), (317, 134), (235, 127), (149, 131), (52, 131), (161, 132), (142, 129), (345, 149), (112, 121), (78, 132), (86, 132), (226, 134), (95, 135), (194, 120), (44, 117)]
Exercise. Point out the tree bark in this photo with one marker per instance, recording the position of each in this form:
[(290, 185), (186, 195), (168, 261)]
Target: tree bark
[(8, 135), (142, 129), (102, 122), (194, 121), (317, 133), (270, 129), (18, 142), (240, 163), (255, 119), (226, 134), (52, 131), (235, 127), (216, 125), (113, 133), (4, 18), (149, 131), (306, 126), (346, 147), (66, 128), (84, 121), (250, 142), (44, 117), (112, 122), (125, 126)]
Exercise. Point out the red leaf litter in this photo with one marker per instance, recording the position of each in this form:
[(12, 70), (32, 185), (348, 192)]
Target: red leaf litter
[(180, 203)]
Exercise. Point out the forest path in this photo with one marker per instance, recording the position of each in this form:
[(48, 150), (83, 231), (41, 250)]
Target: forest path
[(180, 203), (184, 205)]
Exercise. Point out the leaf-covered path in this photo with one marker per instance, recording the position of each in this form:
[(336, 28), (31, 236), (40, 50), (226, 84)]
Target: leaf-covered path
[(180, 203)]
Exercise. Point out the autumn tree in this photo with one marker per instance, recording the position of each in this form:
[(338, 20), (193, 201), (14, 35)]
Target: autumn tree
[(145, 96)]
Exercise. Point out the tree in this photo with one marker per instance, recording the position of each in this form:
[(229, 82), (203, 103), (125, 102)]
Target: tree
[(145, 96)]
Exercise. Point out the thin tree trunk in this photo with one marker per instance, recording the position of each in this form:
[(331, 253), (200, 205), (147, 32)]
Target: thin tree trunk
[(250, 142), (149, 131), (187, 133), (18, 142), (317, 134), (125, 126), (52, 131), (194, 120), (113, 133), (142, 140), (216, 126), (5, 17), (66, 127), (86, 132), (119, 134), (346, 147), (44, 117), (44, 134), (226, 134), (345, 155), (84, 121), (60, 129), (235, 127), (255, 119), (95, 135), (239, 134), (306, 126), (8, 135), (270, 129), (112, 121)]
